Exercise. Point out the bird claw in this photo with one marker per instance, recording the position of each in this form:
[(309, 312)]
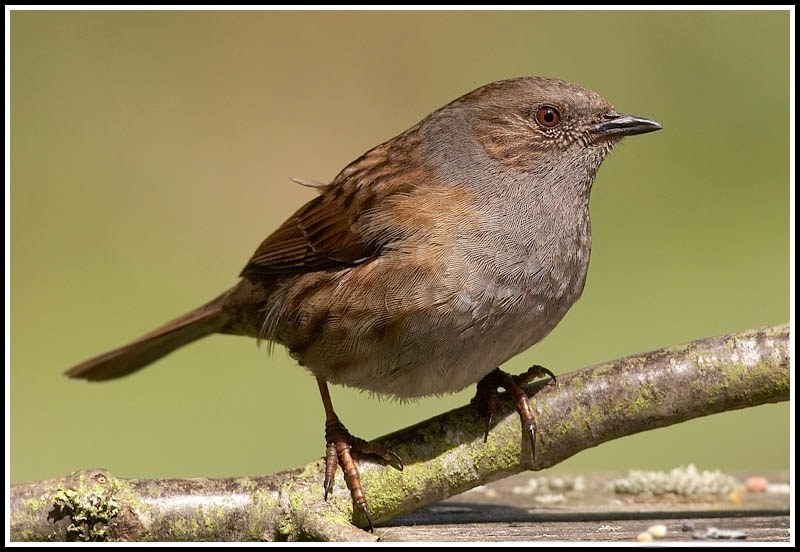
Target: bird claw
[(369, 518), (535, 371), (397, 463), (341, 448), (489, 417), (532, 433), (486, 397)]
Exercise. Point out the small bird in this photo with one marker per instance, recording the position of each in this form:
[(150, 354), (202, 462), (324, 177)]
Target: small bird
[(427, 262)]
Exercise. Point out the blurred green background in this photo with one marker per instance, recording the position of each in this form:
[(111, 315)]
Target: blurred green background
[(151, 152)]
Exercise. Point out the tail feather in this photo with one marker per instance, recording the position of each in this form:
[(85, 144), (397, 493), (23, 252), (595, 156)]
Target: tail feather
[(208, 319)]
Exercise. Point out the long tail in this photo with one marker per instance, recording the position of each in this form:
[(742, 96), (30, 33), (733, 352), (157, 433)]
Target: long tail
[(208, 319)]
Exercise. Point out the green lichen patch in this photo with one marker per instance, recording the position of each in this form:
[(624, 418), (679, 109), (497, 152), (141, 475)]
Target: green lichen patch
[(284, 529), (183, 529), (262, 516), (247, 484), (89, 514), (27, 535)]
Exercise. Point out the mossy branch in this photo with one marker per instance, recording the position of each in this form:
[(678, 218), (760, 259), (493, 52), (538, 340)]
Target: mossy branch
[(443, 456)]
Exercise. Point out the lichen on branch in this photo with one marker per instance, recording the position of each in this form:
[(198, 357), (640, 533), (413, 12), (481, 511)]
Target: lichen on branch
[(443, 456)]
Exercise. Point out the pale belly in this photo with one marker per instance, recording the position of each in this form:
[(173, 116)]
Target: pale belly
[(441, 349)]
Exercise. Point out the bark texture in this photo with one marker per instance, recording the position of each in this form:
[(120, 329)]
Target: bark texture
[(443, 456)]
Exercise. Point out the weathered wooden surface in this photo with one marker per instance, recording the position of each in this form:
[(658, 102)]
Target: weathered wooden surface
[(506, 510)]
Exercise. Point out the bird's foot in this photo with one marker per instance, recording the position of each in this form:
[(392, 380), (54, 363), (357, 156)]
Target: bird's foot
[(341, 448), (486, 397)]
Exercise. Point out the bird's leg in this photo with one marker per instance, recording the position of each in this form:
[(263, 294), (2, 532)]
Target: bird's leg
[(340, 449), (486, 397)]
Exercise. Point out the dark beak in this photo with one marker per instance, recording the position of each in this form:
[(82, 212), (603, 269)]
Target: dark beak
[(617, 125)]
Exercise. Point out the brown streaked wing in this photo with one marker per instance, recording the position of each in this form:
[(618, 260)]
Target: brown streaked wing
[(328, 231), (319, 235)]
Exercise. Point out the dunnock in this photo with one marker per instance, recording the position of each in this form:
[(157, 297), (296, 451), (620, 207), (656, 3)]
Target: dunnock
[(428, 261)]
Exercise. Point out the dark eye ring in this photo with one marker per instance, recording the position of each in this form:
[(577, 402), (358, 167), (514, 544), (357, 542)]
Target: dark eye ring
[(548, 116)]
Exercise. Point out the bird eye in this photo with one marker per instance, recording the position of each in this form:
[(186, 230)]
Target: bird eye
[(548, 116)]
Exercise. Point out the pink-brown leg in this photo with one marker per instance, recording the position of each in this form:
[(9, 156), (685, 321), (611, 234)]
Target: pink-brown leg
[(340, 448)]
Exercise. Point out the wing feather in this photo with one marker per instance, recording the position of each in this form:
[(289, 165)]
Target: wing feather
[(323, 233), (332, 230)]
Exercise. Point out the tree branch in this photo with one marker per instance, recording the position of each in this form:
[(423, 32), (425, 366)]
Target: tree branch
[(443, 456)]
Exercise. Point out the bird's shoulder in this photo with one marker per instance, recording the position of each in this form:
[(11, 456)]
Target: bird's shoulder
[(382, 196)]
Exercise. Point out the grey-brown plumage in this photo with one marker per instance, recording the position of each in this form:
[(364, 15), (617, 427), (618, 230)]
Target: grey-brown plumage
[(431, 259), (434, 257)]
